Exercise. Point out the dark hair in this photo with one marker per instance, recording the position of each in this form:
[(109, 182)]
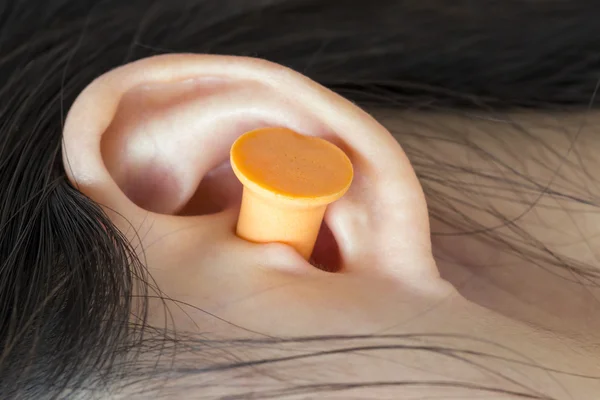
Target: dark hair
[(66, 273)]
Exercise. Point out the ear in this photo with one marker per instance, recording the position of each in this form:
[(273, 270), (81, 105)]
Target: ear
[(149, 141)]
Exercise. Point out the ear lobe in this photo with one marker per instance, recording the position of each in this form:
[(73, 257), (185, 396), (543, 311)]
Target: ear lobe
[(152, 138)]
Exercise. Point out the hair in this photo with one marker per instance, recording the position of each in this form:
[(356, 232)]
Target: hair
[(67, 274)]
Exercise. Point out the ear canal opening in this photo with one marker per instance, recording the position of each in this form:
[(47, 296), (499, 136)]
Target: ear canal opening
[(326, 255), (220, 189)]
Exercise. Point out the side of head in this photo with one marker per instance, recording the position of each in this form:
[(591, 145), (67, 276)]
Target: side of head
[(115, 220)]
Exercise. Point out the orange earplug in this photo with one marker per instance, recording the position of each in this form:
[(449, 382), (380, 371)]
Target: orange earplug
[(289, 179)]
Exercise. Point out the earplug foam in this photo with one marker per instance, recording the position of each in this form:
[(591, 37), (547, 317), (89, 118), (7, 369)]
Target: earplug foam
[(289, 180)]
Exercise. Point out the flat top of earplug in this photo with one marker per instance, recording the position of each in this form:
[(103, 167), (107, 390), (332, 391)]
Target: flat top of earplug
[(287, 164)]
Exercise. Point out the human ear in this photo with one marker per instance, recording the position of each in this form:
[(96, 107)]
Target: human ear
[(149, 141)]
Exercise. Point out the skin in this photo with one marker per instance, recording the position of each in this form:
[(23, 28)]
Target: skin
[(148, 142)]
